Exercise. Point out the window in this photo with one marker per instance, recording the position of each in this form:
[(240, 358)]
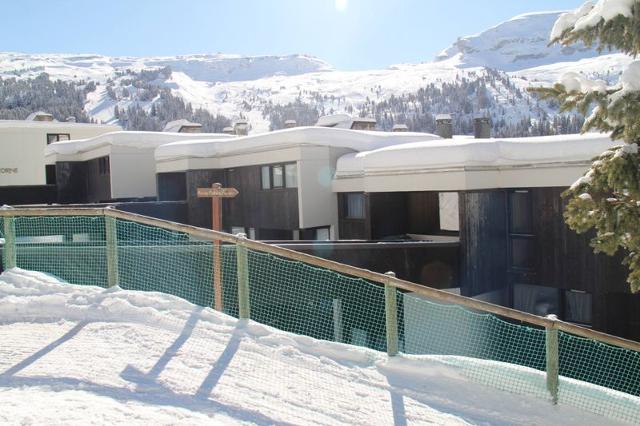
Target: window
[(103, 166), (266, 177), (577, 306), (279, 176), (291, 175), (449, 213), (521, 238), (322, 234), (57, 137), (355, 206)]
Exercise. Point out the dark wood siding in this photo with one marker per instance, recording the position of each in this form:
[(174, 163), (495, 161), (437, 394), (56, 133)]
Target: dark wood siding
[(353, 229), (562, 259), (98, 182), (390, 214), (71, 181), (199, 209), (275, 209), (483, 248), (172, 186)]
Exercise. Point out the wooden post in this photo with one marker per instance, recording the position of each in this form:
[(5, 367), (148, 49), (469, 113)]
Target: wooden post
[(553, 364), (111, 231), (391, 316), (216, 192), (216, 225), (244, 309), (10, 254), (337, 321)]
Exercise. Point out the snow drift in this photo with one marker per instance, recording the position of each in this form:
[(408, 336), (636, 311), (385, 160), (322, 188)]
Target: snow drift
[(73, 353)]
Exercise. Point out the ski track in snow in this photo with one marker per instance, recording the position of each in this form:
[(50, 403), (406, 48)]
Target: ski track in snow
[(78, 354)]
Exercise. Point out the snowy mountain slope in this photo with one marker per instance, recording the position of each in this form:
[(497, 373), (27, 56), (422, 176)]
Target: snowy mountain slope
[(521, 42), (82, 354), (236, 86), (216, 67)]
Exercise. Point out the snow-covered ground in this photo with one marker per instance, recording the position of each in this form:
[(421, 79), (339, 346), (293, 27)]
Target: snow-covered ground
[(80, 354)]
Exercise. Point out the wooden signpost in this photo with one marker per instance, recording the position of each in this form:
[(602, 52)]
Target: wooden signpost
[(216, 193)]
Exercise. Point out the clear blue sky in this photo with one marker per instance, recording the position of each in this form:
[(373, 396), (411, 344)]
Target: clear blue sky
[(349, 34)]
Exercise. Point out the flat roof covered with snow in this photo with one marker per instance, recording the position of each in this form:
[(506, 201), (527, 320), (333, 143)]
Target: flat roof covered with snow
[(460, 164), (128, 139), (354, 140)]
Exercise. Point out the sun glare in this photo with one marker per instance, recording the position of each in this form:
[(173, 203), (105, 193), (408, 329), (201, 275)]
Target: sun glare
[(341, 5)]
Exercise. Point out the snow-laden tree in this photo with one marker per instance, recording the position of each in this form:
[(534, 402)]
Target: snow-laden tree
[(607, 197)]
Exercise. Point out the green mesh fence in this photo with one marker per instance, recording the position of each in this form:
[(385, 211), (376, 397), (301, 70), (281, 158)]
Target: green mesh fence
[(324, 304)]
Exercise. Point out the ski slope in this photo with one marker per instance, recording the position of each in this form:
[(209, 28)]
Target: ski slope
[(79, 354)]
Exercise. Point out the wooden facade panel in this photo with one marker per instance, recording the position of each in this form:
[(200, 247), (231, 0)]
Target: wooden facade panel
[(424, 213), (258, 208), (483, 243), (98, 181), (199, 209), (390, 214), (71, 181), (172, 186)]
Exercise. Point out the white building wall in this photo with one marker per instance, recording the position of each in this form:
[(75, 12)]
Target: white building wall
[(132, 173), (318, 204), (22, 148)]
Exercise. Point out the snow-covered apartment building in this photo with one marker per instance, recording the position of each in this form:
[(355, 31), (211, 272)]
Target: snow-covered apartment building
[(498, 200), (24, 177), (480, 216)]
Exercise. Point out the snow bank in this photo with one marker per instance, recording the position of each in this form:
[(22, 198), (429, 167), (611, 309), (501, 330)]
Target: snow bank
[(130, 139), (356, 140), (442, 154), (80, 353)]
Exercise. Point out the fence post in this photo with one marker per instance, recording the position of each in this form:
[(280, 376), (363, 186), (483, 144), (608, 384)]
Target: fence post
[(244, 309), (553, 362), (337, 321), (10, 256), (112, 250), (391, 316)]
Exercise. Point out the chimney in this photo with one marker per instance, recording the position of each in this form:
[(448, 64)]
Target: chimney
[(241, 128), (363, 123), (229, 130), (482, 127), (400, 128), (444, 126), (70, 119), (40, 116), (290, 124)]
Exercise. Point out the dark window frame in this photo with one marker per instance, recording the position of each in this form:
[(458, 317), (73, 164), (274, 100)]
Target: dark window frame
[(57, 137), (283, 167), (346, 206), (520, 234)]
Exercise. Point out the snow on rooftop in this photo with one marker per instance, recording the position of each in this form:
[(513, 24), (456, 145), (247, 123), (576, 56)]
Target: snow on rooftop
[(52, 124), (356, 140), (175, 125), (460, 152), (76, 354), (130, 139)]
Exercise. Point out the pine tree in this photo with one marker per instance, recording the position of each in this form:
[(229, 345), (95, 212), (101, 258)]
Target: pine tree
[(607, 197)]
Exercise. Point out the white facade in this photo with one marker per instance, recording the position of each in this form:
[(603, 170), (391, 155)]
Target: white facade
[(471, 164), (22, 144)]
